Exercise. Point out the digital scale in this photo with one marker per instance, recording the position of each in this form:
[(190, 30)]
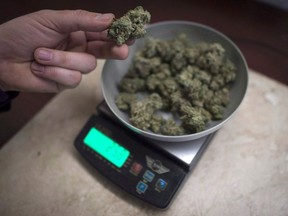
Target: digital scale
[(150, 170)]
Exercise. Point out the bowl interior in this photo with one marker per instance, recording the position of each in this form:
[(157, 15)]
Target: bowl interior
[(114, 70)]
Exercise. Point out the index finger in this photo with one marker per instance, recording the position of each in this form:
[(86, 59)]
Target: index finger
[(67, 21)]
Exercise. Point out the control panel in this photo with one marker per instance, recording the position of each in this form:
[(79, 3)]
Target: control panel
[(129, 161)]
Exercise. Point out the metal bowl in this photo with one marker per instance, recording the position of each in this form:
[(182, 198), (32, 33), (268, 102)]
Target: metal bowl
[(114, 70)]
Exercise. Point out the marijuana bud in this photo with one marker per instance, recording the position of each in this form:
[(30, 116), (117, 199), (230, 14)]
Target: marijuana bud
[(124, 99), (171, 128), (130, 26), (188, 82), (132, 85), (143, 110)]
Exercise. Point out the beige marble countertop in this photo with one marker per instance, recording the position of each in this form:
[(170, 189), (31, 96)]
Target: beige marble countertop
[(244, 171)]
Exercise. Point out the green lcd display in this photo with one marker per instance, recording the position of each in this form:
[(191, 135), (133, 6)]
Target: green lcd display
[(106, 147)]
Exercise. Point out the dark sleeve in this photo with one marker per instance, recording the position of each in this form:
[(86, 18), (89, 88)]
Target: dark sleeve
[(6, 98)]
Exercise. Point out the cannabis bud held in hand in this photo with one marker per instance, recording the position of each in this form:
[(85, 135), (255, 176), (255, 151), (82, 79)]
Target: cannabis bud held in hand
[(130, 26)]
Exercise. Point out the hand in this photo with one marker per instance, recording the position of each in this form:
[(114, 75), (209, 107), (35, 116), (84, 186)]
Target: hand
[(48, 51)]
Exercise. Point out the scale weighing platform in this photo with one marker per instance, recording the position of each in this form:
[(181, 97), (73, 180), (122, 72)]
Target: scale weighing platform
[(150, 170)]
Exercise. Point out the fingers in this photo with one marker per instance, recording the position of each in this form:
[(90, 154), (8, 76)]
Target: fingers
[(76, 61), (64, 69), (67, 21), (107, 50), (102, 36), (24, 77), (61, 78)]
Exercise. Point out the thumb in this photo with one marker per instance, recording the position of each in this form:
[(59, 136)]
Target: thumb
[(66, 21)]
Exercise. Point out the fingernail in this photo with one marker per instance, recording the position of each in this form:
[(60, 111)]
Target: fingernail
[(44, 55), (37, 67), (104, 17)]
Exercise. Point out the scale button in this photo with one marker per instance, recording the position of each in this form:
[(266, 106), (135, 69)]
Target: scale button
[(136, 168), (141, 187), (161, 184), (148, 175)]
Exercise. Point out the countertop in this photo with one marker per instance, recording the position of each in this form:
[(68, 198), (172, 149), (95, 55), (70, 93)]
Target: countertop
[(244, 171)]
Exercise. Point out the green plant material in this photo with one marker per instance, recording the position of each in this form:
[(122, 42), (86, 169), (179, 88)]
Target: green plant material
[(132, 85), (123, 100), (156, 123), (188, 81), (193, 119), (130, 26), (171, 128), (143, 110)]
